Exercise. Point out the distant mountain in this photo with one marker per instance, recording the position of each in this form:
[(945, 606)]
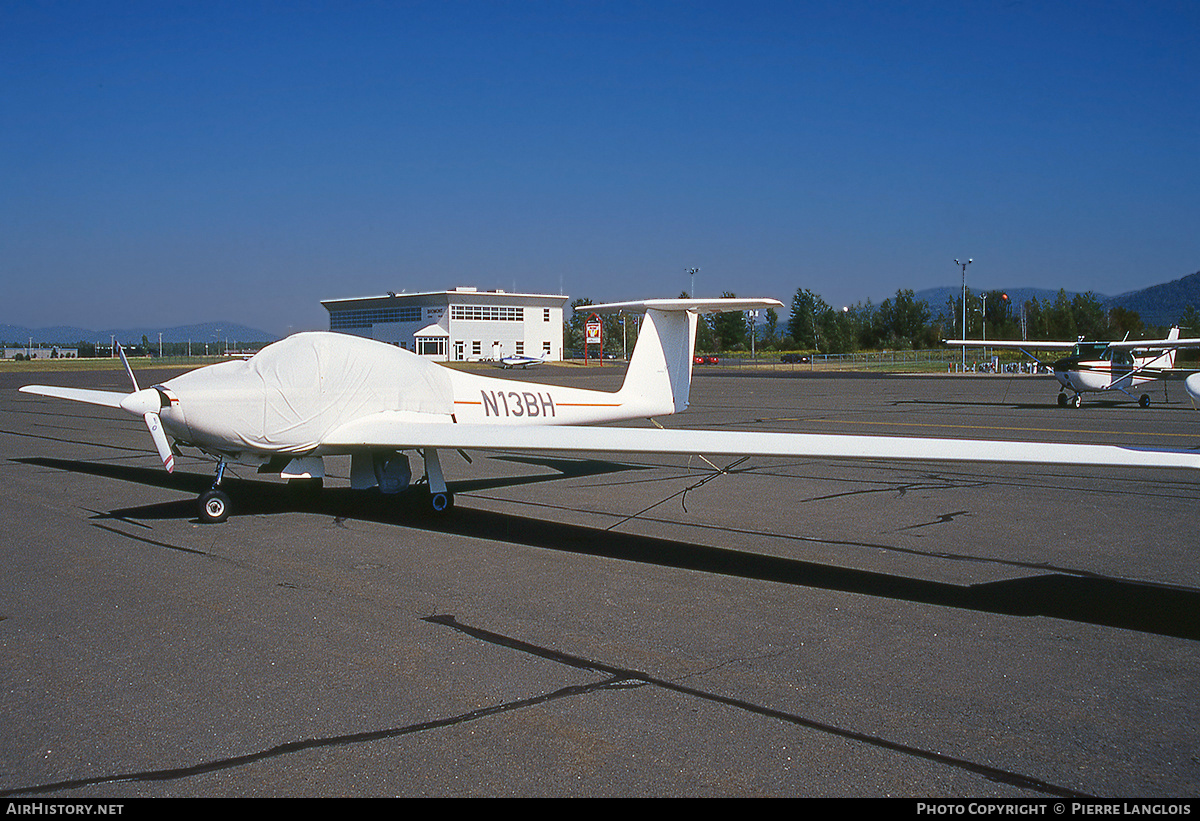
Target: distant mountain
[(1161, 304), (69, 335), (937, 298), (1157, 305)]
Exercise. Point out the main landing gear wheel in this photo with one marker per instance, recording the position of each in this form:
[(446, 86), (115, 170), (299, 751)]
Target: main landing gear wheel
[(1144, 401), (1062, 400), (214, 506), (1076, 400)]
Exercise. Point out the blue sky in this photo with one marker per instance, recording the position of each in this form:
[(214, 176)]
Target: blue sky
[(169, 162)]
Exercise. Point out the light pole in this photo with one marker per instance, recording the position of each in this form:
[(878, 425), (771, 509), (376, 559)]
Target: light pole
[(983, 310), (964, 304), (753, 321), (693, 272)]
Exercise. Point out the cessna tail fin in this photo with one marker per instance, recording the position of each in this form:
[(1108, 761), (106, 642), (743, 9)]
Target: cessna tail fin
[(660, 371)]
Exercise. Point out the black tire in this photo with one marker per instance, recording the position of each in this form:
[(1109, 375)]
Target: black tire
[(214, 507), (1144, 401), (1062, 400)]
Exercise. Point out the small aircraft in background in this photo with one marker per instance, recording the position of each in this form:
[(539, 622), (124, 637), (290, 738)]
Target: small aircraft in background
[(320, 394), (518, 361), (1096, 367)]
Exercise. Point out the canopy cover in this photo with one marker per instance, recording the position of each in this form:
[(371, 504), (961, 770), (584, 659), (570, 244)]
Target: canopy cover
[(287, 397)]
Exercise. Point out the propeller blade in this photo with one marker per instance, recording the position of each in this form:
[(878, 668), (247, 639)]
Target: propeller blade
[(128, 370), (160, 440), (106, 398)]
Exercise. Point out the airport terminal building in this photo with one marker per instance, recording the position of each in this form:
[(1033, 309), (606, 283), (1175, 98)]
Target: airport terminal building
[(461, 325)]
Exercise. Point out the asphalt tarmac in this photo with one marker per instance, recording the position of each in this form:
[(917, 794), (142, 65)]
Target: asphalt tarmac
[(611, 627)]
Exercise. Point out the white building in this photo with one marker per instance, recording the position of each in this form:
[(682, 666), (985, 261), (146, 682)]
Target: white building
[(52, 352), (464, 324)]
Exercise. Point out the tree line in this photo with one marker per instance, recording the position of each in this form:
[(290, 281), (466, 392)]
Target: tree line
[(902, 322)]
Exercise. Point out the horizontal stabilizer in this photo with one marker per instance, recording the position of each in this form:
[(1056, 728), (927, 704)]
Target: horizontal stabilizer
[(700, 306), (107, 398)]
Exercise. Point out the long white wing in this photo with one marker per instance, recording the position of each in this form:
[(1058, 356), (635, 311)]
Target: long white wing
[(1038, 345), (1156, 344), (1031, 345), (380, 431)]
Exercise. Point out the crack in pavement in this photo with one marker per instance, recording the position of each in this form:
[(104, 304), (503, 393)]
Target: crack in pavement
[(615, 678)]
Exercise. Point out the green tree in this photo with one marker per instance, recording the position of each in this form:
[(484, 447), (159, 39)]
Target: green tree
[(1090, 319), (769, 337), (834, 335), (1060, 319), (901, 322), (1189, 320), (729, 327), (573, 330), (802, 325), (1123, 321)]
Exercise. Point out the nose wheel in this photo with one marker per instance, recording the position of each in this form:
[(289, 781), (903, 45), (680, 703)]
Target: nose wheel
[(214, 506), (214, 503)]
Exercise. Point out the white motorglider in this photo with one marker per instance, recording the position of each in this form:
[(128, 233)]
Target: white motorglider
[(322, 394), (1096, 367)]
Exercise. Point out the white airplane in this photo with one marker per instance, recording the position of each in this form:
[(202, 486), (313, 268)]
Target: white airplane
[(321, 394), (1095, 367), (517, 361)]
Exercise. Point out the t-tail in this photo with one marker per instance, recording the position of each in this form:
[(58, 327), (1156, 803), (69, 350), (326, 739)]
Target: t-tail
[(1158, 358), (659, 378), (1173, 334)]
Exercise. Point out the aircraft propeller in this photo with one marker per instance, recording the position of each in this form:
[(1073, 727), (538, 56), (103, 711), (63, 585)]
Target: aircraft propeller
[(146, 403)]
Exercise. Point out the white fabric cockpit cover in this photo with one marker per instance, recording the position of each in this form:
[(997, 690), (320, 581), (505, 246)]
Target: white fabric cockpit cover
[(286, 398)]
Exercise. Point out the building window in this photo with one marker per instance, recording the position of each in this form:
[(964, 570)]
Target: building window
[(520, 349), (546, 347), (545, 314), (431, 346), (343, 320), (476, 348), (493, 313)]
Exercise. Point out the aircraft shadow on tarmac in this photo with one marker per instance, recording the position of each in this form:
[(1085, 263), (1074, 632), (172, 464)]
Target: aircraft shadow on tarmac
[(1129, 605)]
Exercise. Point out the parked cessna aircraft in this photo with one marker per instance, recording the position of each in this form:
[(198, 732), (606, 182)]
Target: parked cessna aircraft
[(1095, 367), (522, 362), (321, 394)]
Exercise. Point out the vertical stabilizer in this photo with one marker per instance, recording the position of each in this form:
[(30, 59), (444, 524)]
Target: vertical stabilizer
[(659, 378), (1159, 357), (1174, 334), (660, 371)]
